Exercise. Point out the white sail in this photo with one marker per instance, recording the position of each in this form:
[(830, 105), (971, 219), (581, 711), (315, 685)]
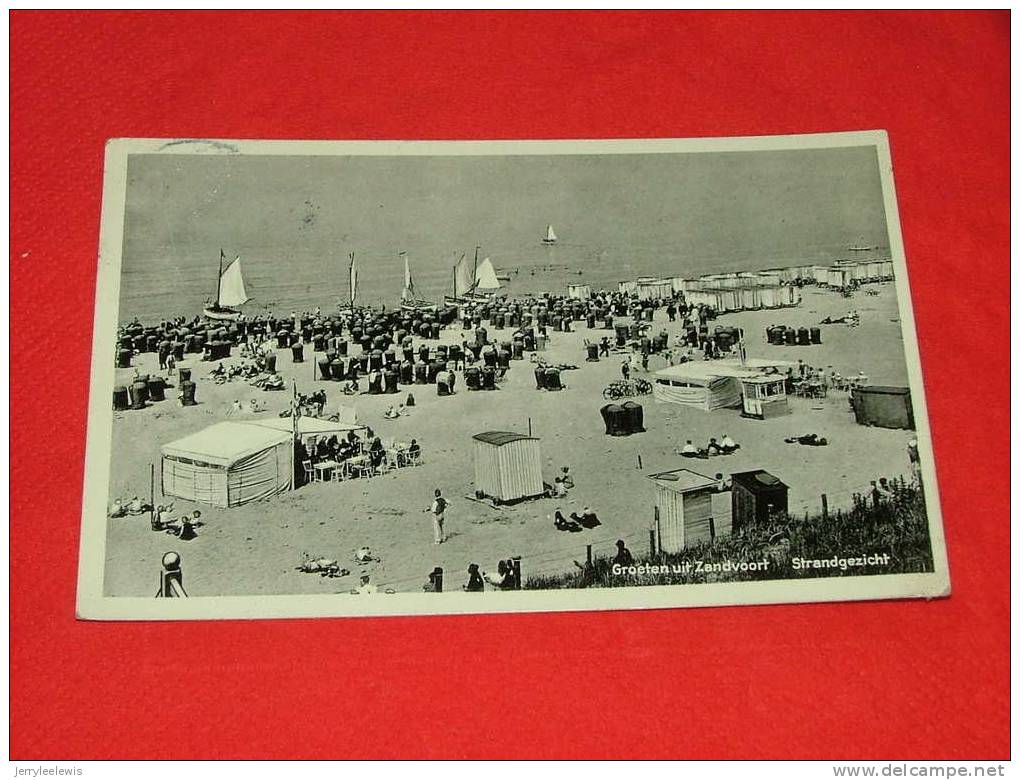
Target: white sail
[(550, 234), (463, 282), (485, 276), (408, 293), (354, 278), (232, 292)]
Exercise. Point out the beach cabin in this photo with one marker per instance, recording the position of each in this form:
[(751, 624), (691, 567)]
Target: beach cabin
[(839, 277), (508, 466), (765, 396), (228, 464), (755, 495), (883, 407), (683, 509), (654, 289), (580, 292)]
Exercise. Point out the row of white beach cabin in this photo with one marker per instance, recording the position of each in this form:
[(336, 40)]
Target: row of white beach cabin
[(840, 276), (771, 288)]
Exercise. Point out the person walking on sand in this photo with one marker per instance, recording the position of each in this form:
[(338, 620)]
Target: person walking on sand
[(625, 369), (438, 510)]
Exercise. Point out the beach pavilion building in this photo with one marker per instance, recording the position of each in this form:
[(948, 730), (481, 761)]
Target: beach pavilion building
[(235, 462), (757, 385)]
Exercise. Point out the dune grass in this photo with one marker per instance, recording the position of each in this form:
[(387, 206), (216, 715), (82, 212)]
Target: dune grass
[(896, 527)]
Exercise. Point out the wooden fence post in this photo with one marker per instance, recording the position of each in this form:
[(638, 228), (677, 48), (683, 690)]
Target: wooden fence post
[(588, 555)]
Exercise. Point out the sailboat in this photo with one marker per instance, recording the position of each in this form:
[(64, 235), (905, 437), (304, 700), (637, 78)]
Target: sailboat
[(550, 235), (486, 281), (465, 280), (352, 277), (230, 292), (408, 300)]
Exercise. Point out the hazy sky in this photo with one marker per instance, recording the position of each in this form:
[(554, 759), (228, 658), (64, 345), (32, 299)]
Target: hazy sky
[(712, 204)]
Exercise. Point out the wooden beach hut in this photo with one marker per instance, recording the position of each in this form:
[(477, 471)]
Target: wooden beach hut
[(683, 509), (508, 466), (764, 396), (228, 464), (754, 496), (882, 406)]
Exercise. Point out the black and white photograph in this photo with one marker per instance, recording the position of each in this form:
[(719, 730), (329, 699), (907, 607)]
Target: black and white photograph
[(361, 378)]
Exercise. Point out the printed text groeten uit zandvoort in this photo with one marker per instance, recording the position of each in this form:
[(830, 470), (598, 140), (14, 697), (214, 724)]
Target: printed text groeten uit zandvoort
[(718, 567)]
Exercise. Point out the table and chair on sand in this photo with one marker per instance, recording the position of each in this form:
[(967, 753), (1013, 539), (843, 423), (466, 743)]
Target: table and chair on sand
[(395, 455)]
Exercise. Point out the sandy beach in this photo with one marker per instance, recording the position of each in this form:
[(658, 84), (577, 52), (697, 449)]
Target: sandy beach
[(255, 549)]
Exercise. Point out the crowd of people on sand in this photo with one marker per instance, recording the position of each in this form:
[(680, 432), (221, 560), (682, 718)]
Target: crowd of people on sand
[(182, 527), (338, 449), (726, 446), (694, 341)]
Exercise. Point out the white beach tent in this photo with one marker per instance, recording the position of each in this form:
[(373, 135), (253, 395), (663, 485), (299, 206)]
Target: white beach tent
[(706, 386), (228, 464), (233, 463)]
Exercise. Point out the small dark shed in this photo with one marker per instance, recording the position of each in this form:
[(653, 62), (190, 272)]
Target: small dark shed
[(882, 406), (754, 495)]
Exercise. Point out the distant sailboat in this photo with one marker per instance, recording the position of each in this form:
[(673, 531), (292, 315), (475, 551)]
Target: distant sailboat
[(550, 235), (353, 273), (408, 300), (230, 292)]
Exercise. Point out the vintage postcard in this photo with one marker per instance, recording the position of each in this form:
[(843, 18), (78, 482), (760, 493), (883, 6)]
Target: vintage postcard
[(368, 378)]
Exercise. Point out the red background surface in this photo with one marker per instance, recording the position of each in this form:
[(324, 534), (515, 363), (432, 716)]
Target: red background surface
[(884, 680)]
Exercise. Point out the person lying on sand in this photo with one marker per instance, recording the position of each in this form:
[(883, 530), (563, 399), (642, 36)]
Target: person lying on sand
[(560, 523), (587, 518), (728, 445), (809, 439), (391, 414), (689, 450)]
